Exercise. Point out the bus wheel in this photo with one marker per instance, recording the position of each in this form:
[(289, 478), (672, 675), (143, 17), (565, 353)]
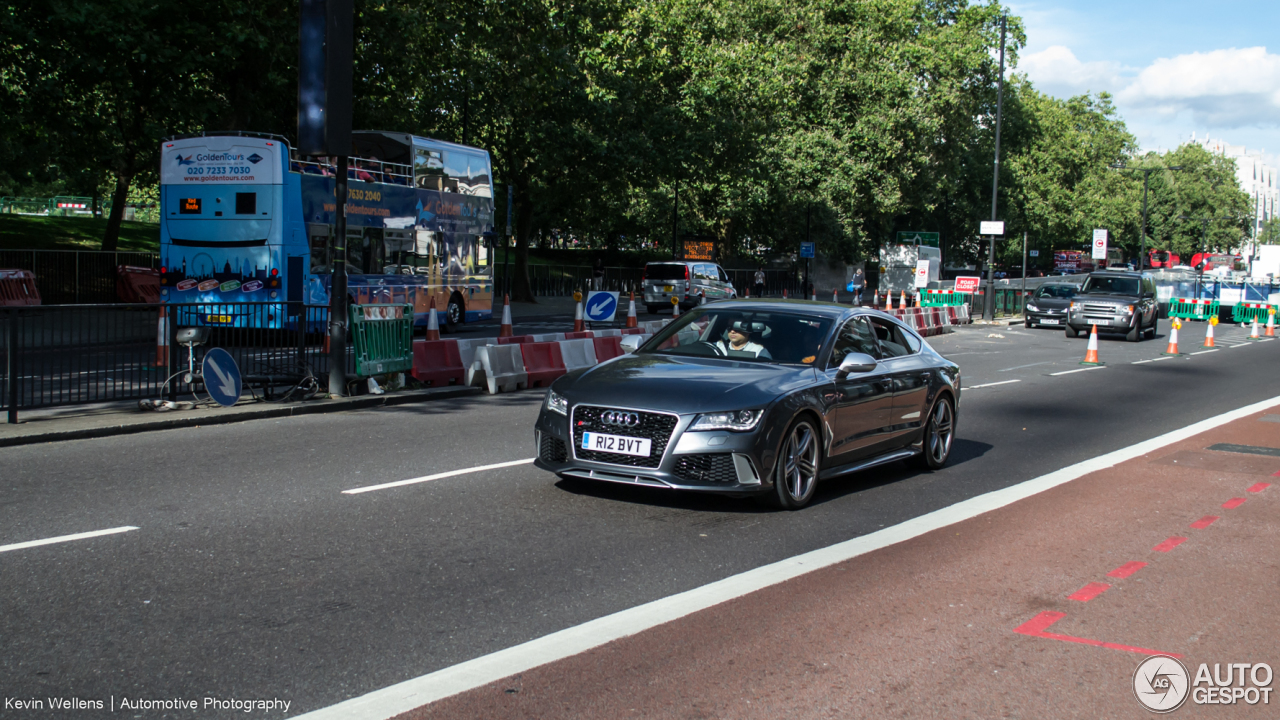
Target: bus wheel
[(455, 313)]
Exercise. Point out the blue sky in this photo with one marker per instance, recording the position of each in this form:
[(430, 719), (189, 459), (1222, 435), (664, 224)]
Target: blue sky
[(1174, 67)]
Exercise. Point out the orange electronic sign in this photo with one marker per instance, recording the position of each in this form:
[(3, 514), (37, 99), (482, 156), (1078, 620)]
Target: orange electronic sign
[(189, 206), (699, 249)]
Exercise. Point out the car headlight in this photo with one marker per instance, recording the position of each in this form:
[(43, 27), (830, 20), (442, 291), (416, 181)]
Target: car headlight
[(1032, 308), (1128, 309), (557, 403), (738, 420)]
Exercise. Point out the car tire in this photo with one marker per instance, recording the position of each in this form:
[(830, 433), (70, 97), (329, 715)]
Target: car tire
[(793, 484), (1135, 333), (939, 432), (1070, 331), (454, 313), (1026, 324)]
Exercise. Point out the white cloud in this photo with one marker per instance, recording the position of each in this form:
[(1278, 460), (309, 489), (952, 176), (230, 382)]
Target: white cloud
[(1058, 71), (1222, 88)]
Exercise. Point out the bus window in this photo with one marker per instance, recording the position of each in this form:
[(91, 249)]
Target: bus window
[(397, 244), (481, 183), (428, 169), (355, 249), (247, 203), (319, 235), (457, 177)]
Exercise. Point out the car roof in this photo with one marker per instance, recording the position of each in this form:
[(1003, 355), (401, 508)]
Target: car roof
[(820, 308)]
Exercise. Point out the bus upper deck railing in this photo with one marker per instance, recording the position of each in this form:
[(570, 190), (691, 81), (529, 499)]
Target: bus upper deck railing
[(362, 169)]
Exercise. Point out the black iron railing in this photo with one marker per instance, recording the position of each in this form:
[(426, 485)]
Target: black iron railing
[(75, 276), (63, 355)]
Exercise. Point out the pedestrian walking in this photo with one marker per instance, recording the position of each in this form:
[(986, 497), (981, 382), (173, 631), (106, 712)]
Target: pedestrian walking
[(857, 285), (759, 282), (597, 274)]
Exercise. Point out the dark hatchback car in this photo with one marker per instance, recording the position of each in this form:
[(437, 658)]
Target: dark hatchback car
[(750, 397), (1048, 305)]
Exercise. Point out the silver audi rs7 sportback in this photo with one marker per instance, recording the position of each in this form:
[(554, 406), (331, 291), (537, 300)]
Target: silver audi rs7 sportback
[(755, 397)]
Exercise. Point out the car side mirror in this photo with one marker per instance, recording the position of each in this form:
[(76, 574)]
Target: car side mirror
[(855, 363), (630, 343)]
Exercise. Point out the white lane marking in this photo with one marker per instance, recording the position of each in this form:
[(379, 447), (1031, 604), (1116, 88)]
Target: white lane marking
[(1161, 359), (1201, 352), (1240, 345), (437, 476), (1068, 372), (1006, 382), (410, 694), (1265, 340), (65, 538), (1141, 361)]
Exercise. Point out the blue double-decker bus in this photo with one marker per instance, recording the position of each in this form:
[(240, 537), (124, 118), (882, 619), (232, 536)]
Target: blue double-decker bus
[(244, 219)]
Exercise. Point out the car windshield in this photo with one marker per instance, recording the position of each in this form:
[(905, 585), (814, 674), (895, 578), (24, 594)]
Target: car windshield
[(665, 271), (1111, 285), (742, 334), (1056, 291)]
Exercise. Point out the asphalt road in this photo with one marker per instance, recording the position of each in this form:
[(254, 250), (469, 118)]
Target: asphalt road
[(252, 575)]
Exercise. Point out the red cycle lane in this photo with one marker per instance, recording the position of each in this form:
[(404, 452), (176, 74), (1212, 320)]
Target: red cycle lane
[(1041, 609)]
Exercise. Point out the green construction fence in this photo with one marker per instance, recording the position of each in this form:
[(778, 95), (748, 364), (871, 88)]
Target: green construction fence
[(382, 336), (1193, 308)]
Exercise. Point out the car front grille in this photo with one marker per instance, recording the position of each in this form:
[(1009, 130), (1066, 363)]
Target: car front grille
[(716, 468), (552, 449), (656, 427)]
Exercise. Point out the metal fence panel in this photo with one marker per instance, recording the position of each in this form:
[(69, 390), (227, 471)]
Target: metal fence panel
[(75, 276)]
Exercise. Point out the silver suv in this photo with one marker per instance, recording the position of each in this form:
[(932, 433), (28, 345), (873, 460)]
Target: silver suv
[(688, 280)]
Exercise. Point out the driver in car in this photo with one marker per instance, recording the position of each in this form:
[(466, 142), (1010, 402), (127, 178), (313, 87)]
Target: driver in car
[(739, 342)]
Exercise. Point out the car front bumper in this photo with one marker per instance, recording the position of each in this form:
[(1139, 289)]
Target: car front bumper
[(1036, 317), (723, 462), (1115, 323)]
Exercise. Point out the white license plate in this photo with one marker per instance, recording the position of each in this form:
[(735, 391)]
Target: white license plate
[(1048, 321), (599, 442)]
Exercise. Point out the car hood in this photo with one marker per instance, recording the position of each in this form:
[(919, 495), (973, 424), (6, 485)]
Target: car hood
[(1106, 298), (1051, 303), (682, 384)]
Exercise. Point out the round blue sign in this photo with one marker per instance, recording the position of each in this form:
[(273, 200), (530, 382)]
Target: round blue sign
[(221, 377), (600, 307)]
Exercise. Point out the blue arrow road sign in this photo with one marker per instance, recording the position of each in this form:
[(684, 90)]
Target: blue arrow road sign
[(806, 249), (600, 307), (221, 377)]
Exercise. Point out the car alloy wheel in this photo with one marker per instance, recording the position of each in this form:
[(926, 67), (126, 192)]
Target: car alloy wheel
[(938, 434), (453, 314), (797, 473)]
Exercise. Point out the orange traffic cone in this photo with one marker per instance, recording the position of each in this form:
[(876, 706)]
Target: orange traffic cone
[(917, 304), (1271, 322), (703, 299), (813, 294), (675, 308), (875, 299), (1208, 333), (505, 330), (902, 299), (577, 317), (631, 312), (1253, 334), (784, 293), (1091, 353), (835, 296), (433, 323), (162, 339), (1173, 338)]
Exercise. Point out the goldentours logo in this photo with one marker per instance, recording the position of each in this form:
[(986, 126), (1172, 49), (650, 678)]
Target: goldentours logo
[(1160, 683), (183, 160)]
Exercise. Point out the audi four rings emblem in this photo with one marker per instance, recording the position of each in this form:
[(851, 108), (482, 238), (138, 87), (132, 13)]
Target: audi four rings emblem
[(626, 419)]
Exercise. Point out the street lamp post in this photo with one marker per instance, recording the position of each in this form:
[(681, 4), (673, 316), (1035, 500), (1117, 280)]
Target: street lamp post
[(989, 307), (1146, 175)]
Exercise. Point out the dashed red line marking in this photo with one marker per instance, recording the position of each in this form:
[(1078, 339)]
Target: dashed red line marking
[(1089, 592), (1233, 503), (1127, 569), (1262, 486), (1169, 544), (1204, 522), (1036, 626)]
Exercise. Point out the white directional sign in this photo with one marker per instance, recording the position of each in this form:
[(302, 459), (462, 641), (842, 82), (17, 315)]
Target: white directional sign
[(991, 227), (601, 306), (1099, 244)]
